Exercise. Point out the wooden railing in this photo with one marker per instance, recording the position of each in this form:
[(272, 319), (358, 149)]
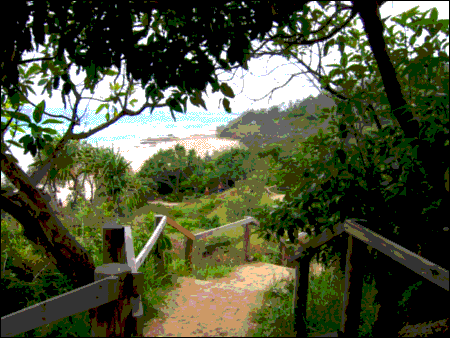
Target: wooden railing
[(301, 263), (113, 299), (351, 309)]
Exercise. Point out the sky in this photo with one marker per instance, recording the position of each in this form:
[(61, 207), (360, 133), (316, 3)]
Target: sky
[(249, 87)]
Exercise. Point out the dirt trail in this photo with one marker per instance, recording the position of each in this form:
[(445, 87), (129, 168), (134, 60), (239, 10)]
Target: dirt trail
[(167, 204), (272, 195), (217, 308)]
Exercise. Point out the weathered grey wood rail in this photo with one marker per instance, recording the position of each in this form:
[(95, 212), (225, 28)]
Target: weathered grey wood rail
[(357, 237), (113, 299)]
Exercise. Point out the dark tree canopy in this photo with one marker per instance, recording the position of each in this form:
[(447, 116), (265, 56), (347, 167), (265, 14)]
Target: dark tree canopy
[(97, 36), (185, 50)]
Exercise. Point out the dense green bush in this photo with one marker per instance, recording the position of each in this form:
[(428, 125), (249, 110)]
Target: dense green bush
[(48, 285), (189, 223), (207, 207), (206, 223), (177, 213)]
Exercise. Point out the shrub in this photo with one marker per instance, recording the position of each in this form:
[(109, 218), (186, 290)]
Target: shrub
[(207, 207), (189, 224), (206, 223), (177, 213)]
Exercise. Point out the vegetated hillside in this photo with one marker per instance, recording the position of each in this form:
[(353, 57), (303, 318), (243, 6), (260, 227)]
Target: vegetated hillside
[(266, 126), (287, 126)]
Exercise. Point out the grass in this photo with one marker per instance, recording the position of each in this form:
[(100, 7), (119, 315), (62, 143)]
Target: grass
[(197, 215), (324, 306)]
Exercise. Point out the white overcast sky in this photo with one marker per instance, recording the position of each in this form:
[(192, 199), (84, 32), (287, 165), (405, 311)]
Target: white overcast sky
[(248, 87)]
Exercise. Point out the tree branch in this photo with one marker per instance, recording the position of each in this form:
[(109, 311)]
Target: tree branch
[(33, 60), (373, 26)]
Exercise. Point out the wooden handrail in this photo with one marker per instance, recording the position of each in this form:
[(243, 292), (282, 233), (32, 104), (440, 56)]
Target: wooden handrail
[(423, 267), (129, 249), (317, 241), (180, 228), (242, 222), (119, 262), (118, 259), (151, 242), (51, 310)]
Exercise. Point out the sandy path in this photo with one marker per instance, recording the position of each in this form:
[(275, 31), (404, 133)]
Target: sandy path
[(273, 196), (217, 308), (167, 204)]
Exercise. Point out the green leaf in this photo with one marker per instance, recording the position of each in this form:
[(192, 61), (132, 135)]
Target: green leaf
[(38, 111), (434, 14), (33, 70), (45, 65), (42, 82), (49, 131), (15, 99), (66, 88), (48, 137), (184, 102), (110, 72), (423, 22), (174, 104), (328, 44), (35, 128), (226, 105), (26, 139), (31, 89), (144, 19), (20, 116), (342, 43), (306, 25), (358, 69), (151, 91), (226, 90), (197, 100), (15, 143), (215, 87), (16, 127), (344, 60), (51, 121), (101, 107), (132, 102)]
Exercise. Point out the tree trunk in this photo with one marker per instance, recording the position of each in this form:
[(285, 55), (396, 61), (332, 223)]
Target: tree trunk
[(373, 26), (43, 228)]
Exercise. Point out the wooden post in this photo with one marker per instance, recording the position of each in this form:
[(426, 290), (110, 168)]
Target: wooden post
[(300, 301), (296, 240), (282, 246), (113, 243), (247, 243), (114, 252), (111, 319), (189, 249), (354, 275), (159, 253)]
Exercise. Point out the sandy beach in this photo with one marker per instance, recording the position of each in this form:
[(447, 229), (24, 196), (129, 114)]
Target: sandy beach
[(137, 154)]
